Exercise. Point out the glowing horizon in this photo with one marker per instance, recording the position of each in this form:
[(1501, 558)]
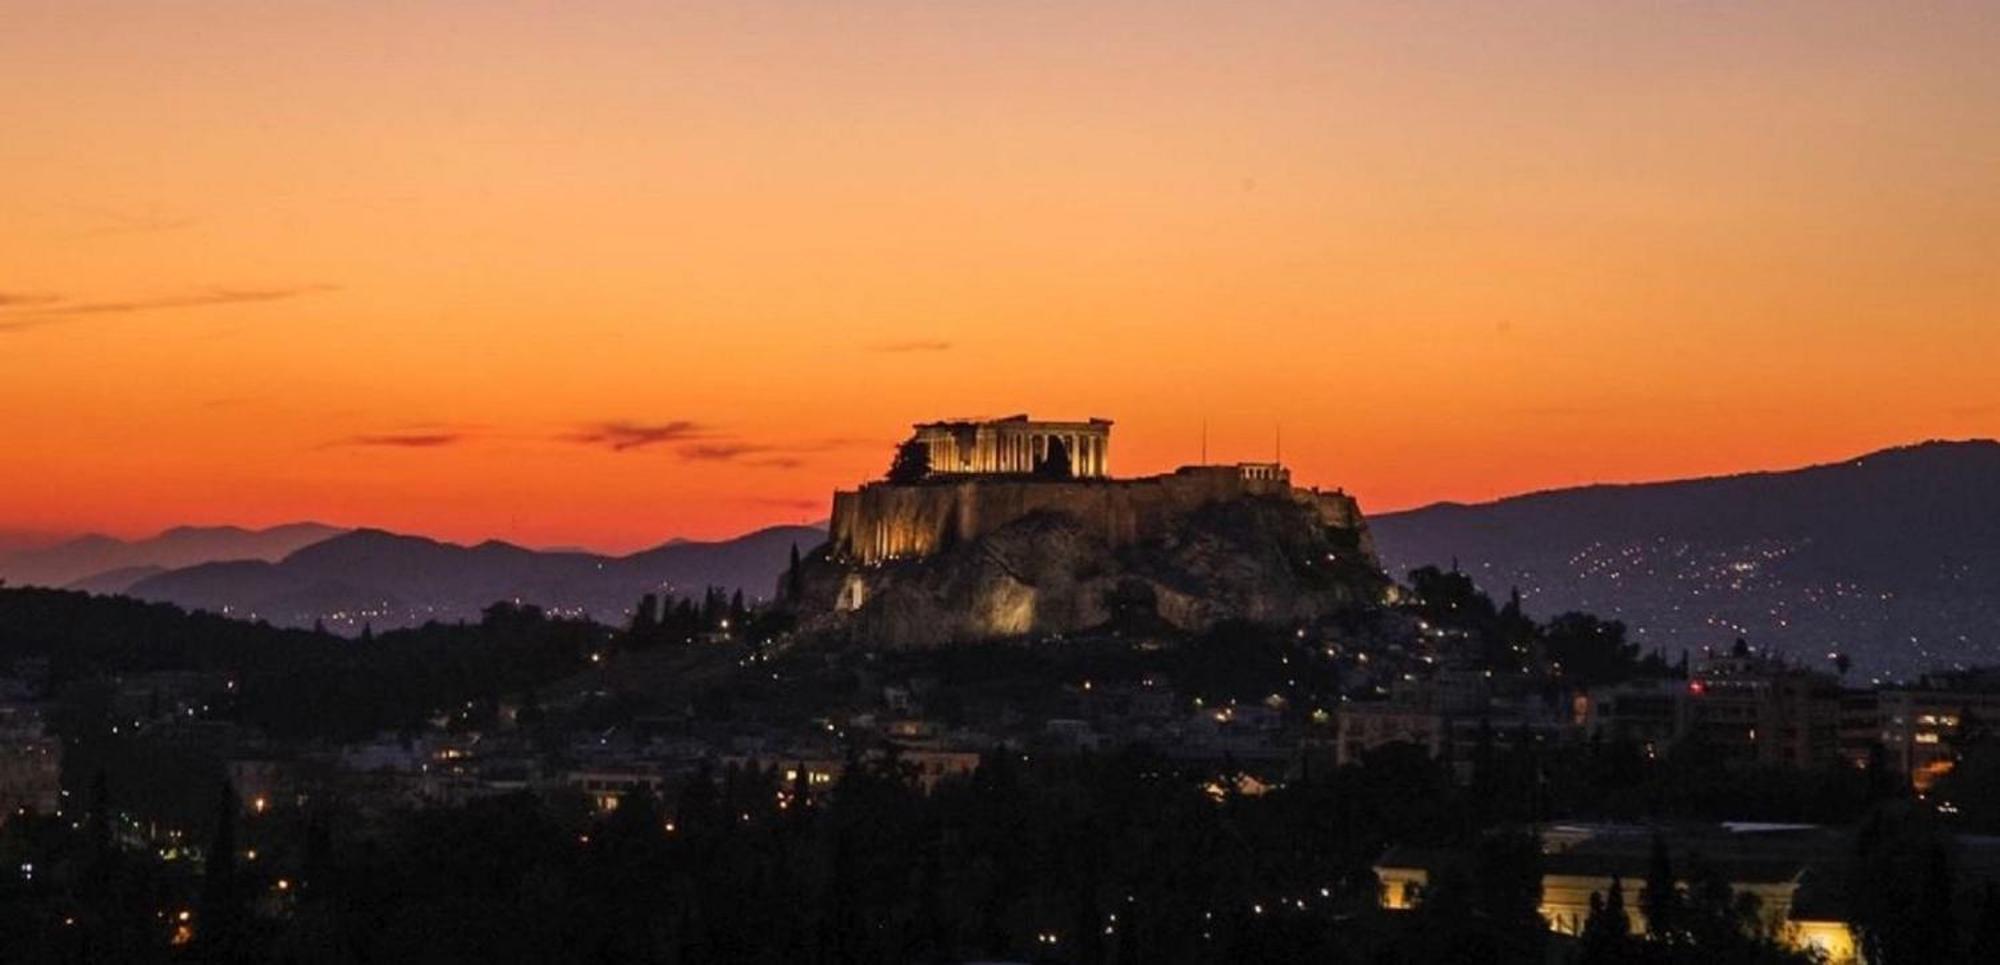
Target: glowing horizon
[(605, 275)]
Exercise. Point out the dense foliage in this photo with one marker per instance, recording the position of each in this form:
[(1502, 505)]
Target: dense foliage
[(1128, 856)]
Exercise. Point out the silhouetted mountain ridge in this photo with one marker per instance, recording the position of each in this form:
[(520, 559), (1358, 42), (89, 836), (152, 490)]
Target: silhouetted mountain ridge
[(372, 577), (99, 562), (1893, 556)]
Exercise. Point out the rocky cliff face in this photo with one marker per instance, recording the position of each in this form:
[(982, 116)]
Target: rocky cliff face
[(1080, 556)]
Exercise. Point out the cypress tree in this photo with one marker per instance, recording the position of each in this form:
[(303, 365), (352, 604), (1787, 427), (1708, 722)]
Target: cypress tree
[(218, 929), (1608, 929), (1986, 934), (646, 616), (1660, 900), (1055, 462)]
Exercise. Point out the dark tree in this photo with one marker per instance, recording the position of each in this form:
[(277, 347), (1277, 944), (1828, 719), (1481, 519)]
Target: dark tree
[(1055, 463), (646, 616), (1508, 868), (219, 926), (1607, 933), (1900, 892), (912, 463), (1660, 900), (1986, 935), (1582, 648)]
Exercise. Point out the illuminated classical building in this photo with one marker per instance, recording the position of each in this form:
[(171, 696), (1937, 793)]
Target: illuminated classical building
[(1792, 870), (1015, 444), (981, 476)]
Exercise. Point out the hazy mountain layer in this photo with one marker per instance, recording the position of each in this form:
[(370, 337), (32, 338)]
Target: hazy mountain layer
[(384, 580), (86, 558)]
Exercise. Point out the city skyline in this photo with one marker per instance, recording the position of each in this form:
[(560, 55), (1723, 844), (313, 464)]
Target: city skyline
[(563, 279)]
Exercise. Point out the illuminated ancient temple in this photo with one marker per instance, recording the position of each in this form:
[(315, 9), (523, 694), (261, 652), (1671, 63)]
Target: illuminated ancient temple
[(1015, 444)]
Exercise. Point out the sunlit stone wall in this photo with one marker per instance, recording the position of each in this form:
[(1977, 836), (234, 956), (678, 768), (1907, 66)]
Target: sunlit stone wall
[(886, 521)]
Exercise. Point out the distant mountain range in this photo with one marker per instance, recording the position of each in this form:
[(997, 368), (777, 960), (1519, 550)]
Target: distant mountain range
[(108, 565), (302, 573), (374, 578), (1892, 558)]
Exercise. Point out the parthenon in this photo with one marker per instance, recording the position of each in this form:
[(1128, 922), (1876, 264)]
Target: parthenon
[(1014, 445)]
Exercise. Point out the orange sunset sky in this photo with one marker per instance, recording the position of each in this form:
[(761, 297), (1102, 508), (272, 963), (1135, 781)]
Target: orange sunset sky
[(605, 273)]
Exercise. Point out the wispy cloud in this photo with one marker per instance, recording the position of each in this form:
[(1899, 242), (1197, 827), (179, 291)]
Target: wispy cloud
[(768, 456), (779, 502), (621, 436), (722, 451), (700, 442), (120, 221), (407, 440), (71, 221), (911, 345), (20, 311)]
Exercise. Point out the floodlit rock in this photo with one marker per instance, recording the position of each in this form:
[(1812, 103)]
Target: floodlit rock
[(925, 564)]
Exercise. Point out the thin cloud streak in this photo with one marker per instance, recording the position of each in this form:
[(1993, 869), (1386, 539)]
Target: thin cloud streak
[(621, 436), (777, 502), (407, 440), (912, 345), (19, 312), (699, 442), (789, 456), (722, 451)]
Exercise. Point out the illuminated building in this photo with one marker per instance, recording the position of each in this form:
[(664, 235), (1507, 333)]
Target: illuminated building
[(1014, 445), (1916, 726), (30, 765), (981, 477), (607, 786), (1793, 870), (1756, 708), (1450, 714)]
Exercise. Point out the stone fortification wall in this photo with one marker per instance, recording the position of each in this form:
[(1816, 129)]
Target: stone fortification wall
[(885, 521)]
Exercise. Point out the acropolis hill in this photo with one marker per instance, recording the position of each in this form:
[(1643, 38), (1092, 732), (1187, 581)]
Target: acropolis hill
[(1012, 527)]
